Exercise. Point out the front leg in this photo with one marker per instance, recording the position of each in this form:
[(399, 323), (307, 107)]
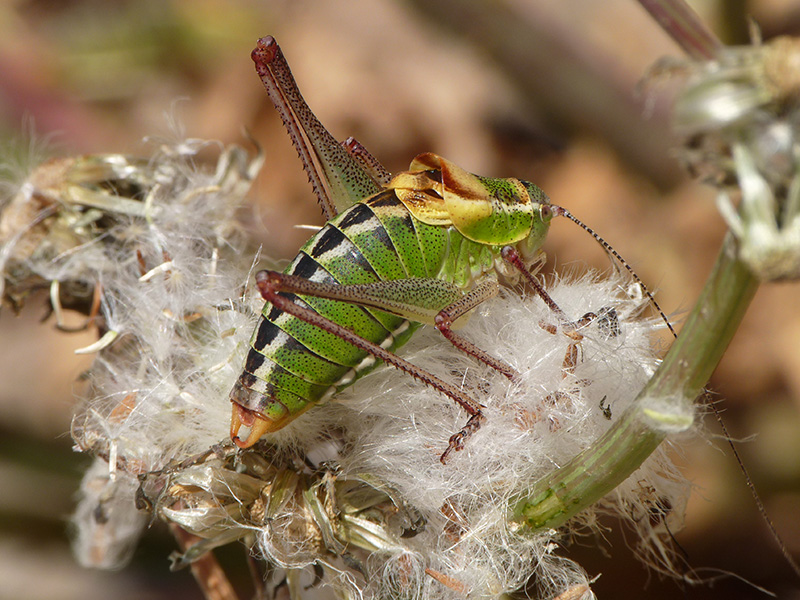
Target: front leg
[(445, 318)]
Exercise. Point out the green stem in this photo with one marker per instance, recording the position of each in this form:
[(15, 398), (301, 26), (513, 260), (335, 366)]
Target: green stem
[(663, 406)]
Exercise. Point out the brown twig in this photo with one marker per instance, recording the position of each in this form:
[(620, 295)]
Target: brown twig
[(206, 569)]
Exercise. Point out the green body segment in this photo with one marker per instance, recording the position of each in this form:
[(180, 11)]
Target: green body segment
[(509, 218), (292, 365)]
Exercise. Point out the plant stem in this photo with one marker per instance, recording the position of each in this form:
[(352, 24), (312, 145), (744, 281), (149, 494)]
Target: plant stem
[(663, 406), (684, 26)]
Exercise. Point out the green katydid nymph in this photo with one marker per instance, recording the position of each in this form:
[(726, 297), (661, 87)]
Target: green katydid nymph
[(425, 246)]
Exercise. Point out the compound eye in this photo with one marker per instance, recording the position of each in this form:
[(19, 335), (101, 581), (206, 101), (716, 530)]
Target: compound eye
[(546, 211)]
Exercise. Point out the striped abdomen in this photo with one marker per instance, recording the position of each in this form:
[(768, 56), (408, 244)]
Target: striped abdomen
[(292, 365)]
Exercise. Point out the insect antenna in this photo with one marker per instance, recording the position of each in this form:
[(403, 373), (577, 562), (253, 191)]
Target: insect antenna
[(563, 212), (560, 211)]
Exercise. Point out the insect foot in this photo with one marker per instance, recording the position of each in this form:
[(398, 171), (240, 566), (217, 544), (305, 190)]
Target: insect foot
[(457, 440)]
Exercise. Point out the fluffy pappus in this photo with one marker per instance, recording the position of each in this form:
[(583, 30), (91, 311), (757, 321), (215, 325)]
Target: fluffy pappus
[(166, 263)]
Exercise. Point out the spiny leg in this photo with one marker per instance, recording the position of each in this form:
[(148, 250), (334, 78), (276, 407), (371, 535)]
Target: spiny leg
[(571, 356), (268, 58), (606, 319), (445, 318), (269, 284), (370, 164), (607, 322), (337, 177), (512, 257), (568, 365), (395, 297)]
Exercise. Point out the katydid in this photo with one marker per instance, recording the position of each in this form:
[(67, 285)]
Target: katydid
[(425, 246)]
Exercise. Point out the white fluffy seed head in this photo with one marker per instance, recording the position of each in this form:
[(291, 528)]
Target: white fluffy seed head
[(398, 428), (98, 222), (172, 281), (171, 291)]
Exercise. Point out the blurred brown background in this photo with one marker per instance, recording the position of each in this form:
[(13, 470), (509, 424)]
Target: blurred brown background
[(534, 89)]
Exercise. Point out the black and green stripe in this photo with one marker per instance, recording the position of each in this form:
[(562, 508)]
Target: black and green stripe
[(292, 365)]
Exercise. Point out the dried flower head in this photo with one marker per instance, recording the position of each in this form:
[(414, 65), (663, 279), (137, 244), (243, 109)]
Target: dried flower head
[(741, 113)]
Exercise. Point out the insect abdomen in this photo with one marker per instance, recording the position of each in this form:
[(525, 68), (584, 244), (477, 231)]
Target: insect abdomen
[(291, 365)]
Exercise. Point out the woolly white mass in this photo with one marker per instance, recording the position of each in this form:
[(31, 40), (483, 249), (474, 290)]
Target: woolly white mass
[(178, 299)]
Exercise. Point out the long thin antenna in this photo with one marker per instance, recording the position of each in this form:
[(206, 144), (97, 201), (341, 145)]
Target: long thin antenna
[(563, 212), (560, 211)]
